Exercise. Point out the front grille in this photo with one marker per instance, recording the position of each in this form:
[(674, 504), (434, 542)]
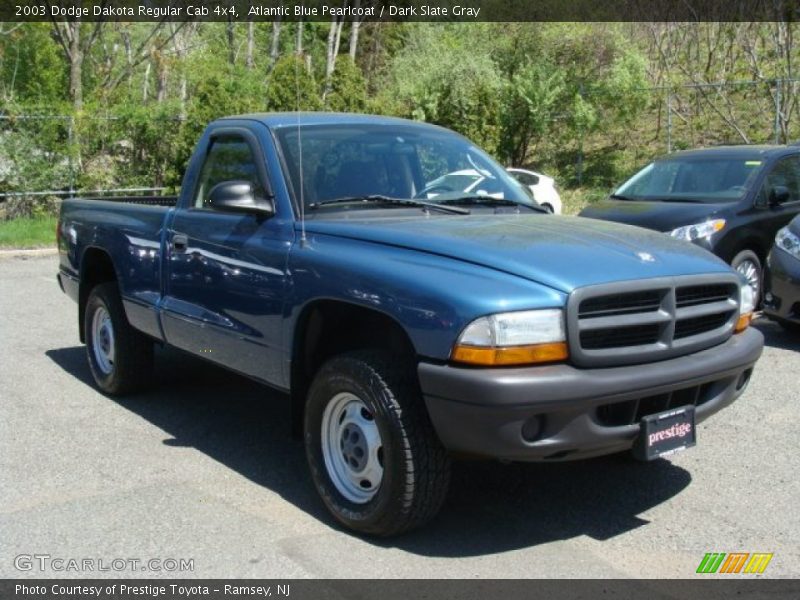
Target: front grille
[(697, 325), (637, 335), (629, 412), (641, 321), (701, 294), (620, 304)]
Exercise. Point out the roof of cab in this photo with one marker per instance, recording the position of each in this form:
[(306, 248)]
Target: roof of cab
[(744, 151), (287, 119)]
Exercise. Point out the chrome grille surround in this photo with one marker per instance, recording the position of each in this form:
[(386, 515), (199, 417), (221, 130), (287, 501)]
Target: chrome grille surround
[(630, 322)]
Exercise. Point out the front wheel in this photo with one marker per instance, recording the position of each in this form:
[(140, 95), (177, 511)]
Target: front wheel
[(120, 358), (374, 456), (748, 264)]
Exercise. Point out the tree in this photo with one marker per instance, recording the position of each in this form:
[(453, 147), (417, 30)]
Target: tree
[(291, 87), (348, 91), (446, 79)]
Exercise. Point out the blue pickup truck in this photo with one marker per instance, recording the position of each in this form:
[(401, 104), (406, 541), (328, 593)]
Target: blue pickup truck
[(407, 322)]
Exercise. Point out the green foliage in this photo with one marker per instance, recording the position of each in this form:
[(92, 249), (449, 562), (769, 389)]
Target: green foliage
[(444, 78), (31, 67), (348, 87), (570, 99), (532, 100), (291, 87)]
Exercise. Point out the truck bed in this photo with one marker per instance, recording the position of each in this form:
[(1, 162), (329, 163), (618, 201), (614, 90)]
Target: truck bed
[(169, 201)]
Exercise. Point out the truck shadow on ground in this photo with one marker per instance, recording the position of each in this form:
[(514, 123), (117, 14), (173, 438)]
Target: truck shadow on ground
[(491, 507), (776, 336)]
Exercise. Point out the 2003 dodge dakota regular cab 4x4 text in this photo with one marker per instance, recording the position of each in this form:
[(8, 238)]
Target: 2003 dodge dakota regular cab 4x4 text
[(407, 323)]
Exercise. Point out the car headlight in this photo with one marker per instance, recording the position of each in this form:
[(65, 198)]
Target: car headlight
[(698, 231), (514, 338), (788, 242), (747, 304)]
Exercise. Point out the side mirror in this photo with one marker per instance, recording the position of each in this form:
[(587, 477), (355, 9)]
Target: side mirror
[(778, 195), (239, 196)]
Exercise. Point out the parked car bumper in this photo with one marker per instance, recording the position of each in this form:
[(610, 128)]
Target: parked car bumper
[(560, 412), (782, 285)]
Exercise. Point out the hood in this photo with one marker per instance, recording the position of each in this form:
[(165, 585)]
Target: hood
[(661, 216), (561, 252)]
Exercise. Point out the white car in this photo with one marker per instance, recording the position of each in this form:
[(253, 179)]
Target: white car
[(466, 180), (543, 188)]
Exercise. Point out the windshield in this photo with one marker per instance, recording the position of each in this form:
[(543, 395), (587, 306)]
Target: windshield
[(396, 161), (702, 180)]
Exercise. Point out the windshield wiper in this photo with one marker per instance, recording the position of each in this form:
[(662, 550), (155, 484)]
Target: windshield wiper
[(489, 201), (381, 199), (620, 197)]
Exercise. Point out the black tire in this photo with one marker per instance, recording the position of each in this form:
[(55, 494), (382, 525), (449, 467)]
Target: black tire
[(416, 468), (747, 258), (132, 366), (790, 327)]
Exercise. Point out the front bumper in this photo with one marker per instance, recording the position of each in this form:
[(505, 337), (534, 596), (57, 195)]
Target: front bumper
[(782, 285), (560, 412)]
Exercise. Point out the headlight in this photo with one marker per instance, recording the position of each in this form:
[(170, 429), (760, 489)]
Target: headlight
[(788, 242), (698, 231), (515, 338), (747, 304)]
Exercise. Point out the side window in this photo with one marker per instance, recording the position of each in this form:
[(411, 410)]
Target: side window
[(526, 178), (785, 173), (229, 158)]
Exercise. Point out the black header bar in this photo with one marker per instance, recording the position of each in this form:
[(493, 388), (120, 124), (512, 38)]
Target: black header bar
[(401, 10)]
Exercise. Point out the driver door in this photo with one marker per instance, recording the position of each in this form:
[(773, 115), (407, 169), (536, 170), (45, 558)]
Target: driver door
[(226, 271)]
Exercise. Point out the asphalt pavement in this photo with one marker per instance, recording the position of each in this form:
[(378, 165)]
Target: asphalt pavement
[(203, 469)]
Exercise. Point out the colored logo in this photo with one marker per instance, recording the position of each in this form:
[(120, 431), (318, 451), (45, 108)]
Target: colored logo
[(734, 562)]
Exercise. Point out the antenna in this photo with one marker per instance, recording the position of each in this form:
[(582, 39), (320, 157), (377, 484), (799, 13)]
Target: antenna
[(300, 154)]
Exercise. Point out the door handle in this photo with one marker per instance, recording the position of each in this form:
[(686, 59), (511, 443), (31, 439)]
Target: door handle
[(180, 242)]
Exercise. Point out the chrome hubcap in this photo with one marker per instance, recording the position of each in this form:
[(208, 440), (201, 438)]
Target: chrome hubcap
[(751, 273), (352, 448), (103, 341)]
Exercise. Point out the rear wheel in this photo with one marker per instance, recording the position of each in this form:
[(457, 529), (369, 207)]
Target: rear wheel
[(374, 456), (748, 264), (120, 358)]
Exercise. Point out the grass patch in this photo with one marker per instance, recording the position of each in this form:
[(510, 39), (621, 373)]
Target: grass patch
[(37, 232), (576, 199)]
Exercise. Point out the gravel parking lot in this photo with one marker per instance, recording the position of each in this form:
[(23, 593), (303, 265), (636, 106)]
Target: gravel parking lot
[(203, 467)]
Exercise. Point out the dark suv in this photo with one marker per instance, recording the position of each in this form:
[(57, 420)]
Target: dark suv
[(730, 200)]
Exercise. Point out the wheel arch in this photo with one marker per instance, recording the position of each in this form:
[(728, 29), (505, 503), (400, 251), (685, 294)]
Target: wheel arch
[(326, 327), (96, 267)]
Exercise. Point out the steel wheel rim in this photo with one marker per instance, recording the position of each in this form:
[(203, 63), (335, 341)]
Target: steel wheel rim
[(749, 269), (352, 448), (103, 341)]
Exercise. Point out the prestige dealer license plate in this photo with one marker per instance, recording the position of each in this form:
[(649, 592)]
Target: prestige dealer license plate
[(665, 433)]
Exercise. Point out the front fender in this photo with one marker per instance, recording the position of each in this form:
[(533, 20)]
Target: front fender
[(432, 297)]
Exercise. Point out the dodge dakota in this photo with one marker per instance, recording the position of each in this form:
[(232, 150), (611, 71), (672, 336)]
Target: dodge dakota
[(407, 323)]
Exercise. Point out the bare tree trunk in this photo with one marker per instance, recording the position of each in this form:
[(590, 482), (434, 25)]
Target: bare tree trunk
[(354, 32), (162, 77), (76, 66), (146, 83), (231, 41), (249, 59), (298, 44), (333, 52), (275, 45), (338, 41), (330, 57), (180, 41)]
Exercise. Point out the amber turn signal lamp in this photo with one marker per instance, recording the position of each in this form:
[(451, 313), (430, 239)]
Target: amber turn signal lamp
[(510, 355), (743, 322)]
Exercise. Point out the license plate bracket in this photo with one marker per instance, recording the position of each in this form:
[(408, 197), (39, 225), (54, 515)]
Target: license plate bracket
[(666, 433)]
